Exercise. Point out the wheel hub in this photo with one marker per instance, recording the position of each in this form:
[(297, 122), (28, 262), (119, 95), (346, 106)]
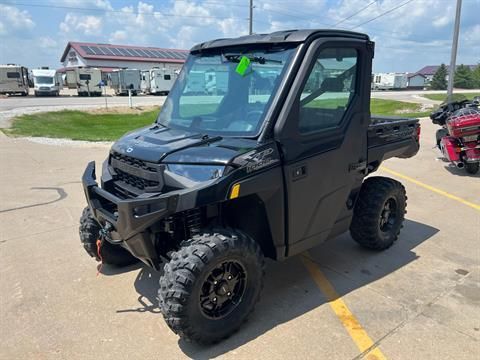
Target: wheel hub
[(223, 289), (388, 215)]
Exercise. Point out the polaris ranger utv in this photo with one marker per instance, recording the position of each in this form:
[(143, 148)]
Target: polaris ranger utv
[(269, 162)]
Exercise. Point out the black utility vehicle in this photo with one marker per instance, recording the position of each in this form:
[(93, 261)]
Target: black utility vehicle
[(260, 150)]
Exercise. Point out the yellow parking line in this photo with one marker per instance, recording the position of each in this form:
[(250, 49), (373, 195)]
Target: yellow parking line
[(364, 343), (431, 188)]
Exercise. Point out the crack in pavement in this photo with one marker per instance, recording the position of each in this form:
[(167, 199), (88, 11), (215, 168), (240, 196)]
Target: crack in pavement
[(62, 194)]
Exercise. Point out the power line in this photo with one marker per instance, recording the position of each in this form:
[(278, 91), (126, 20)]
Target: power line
[(214, 3), (383, 14), (355, 13), (154, 13), (293, 16), (376, 30), (309, 18)]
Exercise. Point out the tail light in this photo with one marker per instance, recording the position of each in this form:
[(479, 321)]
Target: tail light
[(419, 131)]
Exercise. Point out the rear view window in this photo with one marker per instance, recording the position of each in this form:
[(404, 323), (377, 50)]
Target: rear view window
[(85, 77), (13, 75), (166, 77)]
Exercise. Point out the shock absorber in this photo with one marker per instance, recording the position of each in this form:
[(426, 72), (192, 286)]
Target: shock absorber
[(193, 221)]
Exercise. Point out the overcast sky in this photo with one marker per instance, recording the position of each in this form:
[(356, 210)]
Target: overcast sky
[(34, 33)]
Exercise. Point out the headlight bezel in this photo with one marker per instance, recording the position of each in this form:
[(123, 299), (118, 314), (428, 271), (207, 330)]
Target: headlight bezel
[(197, 172)]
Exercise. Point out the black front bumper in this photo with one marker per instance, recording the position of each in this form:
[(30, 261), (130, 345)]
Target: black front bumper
[(128, 219)]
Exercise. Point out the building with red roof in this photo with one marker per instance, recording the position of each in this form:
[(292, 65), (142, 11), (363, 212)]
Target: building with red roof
[(108, 57)]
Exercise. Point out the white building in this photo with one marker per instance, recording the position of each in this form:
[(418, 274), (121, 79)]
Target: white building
[(389, 81), (108, 57)]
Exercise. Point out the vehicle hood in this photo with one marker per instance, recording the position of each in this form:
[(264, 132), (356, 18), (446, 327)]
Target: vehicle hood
[(159, 144)]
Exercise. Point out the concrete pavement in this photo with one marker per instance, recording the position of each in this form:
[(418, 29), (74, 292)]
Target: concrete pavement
[(419, 299)]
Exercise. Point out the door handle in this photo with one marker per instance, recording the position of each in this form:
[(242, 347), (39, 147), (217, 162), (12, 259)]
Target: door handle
[(299, 172), (360, 166)]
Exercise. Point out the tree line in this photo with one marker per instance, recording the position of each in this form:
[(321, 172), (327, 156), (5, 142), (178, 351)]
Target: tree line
[(465, 78)]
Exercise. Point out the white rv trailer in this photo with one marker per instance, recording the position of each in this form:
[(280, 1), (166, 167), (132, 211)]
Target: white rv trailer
[(145, 81), (46, 82), (125, 79), (158, 81), (389, 81), (196, 83), (216, 83), (13, 80), (85, 80)]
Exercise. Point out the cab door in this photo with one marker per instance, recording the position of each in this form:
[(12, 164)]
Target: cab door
[(323, 135)]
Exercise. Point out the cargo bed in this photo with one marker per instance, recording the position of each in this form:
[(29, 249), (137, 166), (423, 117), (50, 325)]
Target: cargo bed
[(391, 136)]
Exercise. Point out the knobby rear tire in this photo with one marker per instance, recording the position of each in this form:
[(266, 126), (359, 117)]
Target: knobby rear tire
[(366, 227)]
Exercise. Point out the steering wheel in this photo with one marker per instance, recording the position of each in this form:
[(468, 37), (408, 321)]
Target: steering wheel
[(253, 115)]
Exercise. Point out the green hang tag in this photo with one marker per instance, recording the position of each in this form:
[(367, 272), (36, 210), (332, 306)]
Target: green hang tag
[(243, 65)]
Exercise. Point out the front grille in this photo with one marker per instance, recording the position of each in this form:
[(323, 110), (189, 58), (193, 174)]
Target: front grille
[(133, 174), (133, 180), (132, 161)]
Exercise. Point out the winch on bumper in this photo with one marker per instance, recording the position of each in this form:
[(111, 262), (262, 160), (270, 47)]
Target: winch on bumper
[(127, 219)]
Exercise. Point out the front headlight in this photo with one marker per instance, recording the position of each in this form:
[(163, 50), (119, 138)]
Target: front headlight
[(197, 173)]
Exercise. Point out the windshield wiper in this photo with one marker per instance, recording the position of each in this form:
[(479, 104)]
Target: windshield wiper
[(256, 59)]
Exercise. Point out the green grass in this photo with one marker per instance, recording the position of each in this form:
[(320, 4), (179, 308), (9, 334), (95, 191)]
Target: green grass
[(441, 97), (377, 107), (327, 103), (397, 108), (79, 125)]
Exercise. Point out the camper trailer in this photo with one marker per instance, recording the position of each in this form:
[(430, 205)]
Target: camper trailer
[(216, 83), (196, 83), (85, 80), (389, 81), (145, 81), (13, 80), (158, 81), (46, 82), (126, 79)]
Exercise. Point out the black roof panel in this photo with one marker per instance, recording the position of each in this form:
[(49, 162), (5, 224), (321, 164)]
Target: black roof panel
[(287, 36)]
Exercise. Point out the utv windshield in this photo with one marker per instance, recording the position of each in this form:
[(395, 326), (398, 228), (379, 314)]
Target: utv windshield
[(225, 93), (44, 80)]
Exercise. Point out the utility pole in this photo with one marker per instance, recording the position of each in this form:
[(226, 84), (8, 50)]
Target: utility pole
[(250, 19), (456, 30)]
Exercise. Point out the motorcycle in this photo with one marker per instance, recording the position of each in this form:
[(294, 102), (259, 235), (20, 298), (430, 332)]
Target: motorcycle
[(459, 137)]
